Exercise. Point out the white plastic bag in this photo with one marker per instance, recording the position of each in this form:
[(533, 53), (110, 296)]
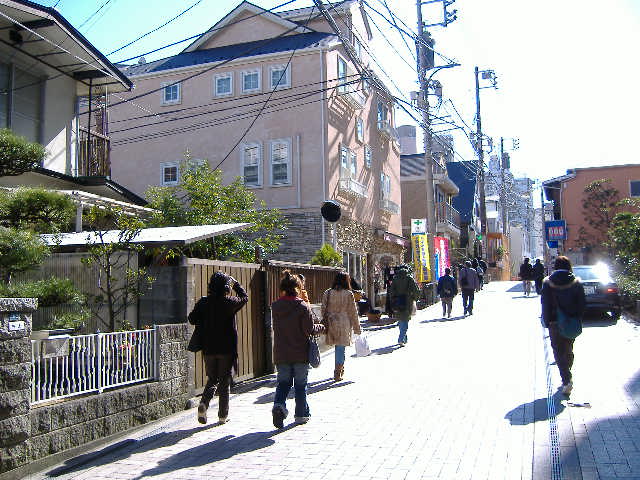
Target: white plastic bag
[(362, 346)]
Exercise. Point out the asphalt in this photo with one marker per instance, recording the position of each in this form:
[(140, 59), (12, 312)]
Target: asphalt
[(466, 398)]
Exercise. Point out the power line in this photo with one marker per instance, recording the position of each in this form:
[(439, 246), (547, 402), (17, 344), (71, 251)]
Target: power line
[(104, 4)]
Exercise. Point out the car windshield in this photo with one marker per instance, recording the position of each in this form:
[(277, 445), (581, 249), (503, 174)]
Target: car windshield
[(593, 272)]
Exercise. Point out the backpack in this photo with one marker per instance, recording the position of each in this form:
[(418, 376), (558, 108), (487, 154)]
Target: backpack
[(447, 288), (464, 279)]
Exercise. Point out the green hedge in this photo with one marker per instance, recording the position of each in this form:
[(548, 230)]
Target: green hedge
[(49, 292)]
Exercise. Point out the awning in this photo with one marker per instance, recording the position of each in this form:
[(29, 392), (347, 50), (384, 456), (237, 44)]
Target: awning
[(148, 236)]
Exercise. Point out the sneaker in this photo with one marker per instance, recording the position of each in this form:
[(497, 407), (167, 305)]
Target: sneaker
[(222, 420), (449, 316), (567, 388), (202, 413), (279, 414), (301, 420)]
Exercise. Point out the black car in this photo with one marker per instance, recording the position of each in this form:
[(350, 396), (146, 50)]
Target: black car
[(600, 289)]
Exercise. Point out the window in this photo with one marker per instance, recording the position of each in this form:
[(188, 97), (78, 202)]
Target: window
[(22, 113), (280, 77), (367, 156), (223, 84), (385, 186), (170, 93), (353, 164), (348, 163), (383, 115), (280, 162), (251, 81), (357, 45), (359, 130), (342, 75), (170, 173), (634, 188), (252, 164)]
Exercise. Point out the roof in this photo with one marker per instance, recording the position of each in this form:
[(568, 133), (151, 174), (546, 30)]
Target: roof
[(412, 164), (40, 33), (148, 236), (461, 173), (231, 52)]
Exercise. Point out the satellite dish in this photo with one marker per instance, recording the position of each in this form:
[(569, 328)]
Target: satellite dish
[(330, 211)]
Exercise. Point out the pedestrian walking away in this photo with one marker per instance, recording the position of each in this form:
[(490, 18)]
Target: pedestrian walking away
[(292, 326), (479, 270), (404, 293), (340, 318), (447, 289), (538, 275), (562, 295), (215, 316), (469, 285), (526, 275)]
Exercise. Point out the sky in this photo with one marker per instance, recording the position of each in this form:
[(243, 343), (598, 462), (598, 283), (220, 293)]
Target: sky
[(567, 70)]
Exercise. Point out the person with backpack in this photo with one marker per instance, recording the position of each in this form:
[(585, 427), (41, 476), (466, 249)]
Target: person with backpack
[(404, 293), (447, 289), (538, 275), (469, 285), (562, 297), (526, 274), (479, 270)]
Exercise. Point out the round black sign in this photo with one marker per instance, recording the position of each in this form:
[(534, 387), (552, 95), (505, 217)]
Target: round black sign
[(330, 211)]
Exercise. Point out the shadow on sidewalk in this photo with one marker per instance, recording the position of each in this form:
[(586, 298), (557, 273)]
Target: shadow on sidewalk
[(535, 411), (386, 350), (312, 387), (442, 319), (374, 327)]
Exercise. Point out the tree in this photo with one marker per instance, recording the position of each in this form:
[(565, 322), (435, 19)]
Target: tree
[(624, 241), (20, 250), (599, 206), (121, 280), (18, 155), (326, 255), (202, 199), (37, 209)]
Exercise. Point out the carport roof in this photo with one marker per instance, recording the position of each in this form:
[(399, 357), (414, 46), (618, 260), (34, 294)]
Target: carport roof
[(147, 236)]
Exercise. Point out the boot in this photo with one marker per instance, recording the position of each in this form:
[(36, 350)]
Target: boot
[(338, 372)]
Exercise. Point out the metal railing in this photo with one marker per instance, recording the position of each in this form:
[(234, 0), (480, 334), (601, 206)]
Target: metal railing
[(66, 366), (445, 213), (385, 128), (93, 154), (351, 186)]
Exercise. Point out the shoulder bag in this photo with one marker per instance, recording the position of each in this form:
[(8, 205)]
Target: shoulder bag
[(569, 326), (314, 352)]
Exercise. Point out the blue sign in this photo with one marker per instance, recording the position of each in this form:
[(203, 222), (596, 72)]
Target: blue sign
[(555, 230), (552, 243)]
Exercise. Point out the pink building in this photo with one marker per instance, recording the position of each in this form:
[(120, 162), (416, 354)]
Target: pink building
[(567, 194), (278, 99)]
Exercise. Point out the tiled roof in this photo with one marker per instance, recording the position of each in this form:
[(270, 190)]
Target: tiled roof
[(412, 164), (230, 52)]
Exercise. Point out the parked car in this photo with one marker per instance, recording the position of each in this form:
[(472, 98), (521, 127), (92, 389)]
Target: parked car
[(600, 289)]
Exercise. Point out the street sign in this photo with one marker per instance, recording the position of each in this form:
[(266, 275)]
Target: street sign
[(556, 230), (418, 225)]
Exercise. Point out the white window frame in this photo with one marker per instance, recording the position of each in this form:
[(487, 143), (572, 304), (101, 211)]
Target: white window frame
[(285, 82), (287, 162), (164, 90), (357, 45), (221, 76), (385, 186), (244, 73), (353, 164), (630, 191), (382, 108), (163, 167), (342, 77), (367, 156), (243, 149), (359, 129)]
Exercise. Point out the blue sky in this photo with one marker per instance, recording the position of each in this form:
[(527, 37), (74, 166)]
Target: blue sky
[(567, 71)]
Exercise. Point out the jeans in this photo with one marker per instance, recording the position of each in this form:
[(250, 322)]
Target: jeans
[(526, 286), (218, 369), (467, 300), (562, 352), (539, 285), (403, 326), (292, 374), (447, 304), (340, 356)]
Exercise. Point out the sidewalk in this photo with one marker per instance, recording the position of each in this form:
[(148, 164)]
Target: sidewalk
[(467, 398)]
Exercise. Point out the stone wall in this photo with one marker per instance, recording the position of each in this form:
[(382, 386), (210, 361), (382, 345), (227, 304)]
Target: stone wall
[(302, 238), (37, 432)]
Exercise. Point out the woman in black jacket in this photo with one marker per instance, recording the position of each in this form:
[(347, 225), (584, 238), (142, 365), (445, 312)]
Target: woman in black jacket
[(562, 290), (215, 315)]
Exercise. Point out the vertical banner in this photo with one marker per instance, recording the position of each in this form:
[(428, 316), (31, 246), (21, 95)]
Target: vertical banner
[(419, 245), (441, 252)]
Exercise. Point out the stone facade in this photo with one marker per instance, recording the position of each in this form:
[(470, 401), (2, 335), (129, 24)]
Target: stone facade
[(32, 433), (302, 238)]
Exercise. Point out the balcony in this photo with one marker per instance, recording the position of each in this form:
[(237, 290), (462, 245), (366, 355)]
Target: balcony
[(385, 128), (352, 188), (93, 154), (447, 218), (353, 96), (389, 206), (441, 177)]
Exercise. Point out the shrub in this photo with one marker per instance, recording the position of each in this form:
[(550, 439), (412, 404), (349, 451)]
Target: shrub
[(18, 155), (20, 250), (37, 209), (49, 292), (328, 256)]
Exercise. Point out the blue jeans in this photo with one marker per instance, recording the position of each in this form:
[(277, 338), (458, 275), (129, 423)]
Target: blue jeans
[(340, 354), (467, 300), (403, 326), (293, 374)]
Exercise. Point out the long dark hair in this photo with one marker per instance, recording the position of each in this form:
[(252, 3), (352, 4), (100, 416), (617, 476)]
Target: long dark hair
[(342, 281), (290, 284), (218, 285)]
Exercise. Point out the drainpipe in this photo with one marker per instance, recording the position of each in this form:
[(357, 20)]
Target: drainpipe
[(324, 139)]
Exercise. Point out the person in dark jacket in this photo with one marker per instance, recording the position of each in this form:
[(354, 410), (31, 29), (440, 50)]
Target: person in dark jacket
[(292, 325), (562, 290), (447, 289), (538, 275), (469, 285), (479, 270), (526, 275), (215, 314)]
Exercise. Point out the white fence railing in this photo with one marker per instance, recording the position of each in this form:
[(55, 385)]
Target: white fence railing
[(66, 366)]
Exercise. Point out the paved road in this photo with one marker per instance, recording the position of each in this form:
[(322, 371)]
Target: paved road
[(467, 398)]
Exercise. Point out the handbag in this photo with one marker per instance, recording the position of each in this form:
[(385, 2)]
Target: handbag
[(314, 352), (195, 343), (568, 326), (362, 346), (325, 314)]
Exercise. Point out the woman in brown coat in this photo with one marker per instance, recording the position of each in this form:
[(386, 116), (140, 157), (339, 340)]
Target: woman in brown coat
[(340, 316)]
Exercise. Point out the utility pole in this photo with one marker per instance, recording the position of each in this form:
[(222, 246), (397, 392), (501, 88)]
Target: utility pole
[(503, 192), (480, 151)]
